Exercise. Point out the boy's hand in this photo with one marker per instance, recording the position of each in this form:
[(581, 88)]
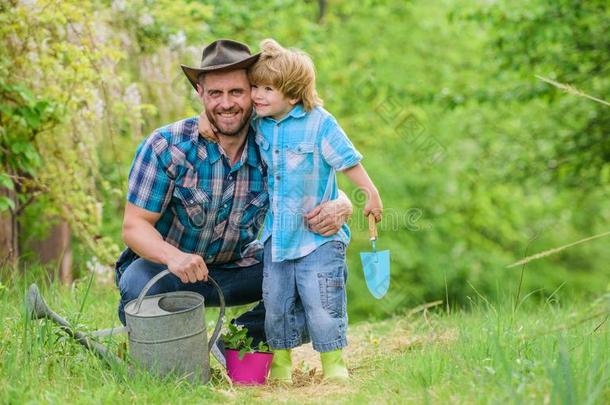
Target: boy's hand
[(360, 178), (374, 206), (206, 129)]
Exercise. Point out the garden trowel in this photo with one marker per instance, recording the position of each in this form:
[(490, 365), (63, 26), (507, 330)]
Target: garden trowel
[(376, 265)]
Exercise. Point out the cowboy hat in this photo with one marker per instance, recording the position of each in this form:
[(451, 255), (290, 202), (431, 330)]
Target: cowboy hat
[(223, 54)]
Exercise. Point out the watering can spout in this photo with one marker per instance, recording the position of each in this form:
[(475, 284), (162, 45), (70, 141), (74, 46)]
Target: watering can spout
[(37, 308), (169, 338), (35, 304)]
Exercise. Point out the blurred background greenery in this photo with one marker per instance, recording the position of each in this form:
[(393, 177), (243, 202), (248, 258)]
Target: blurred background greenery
[(479, 163)]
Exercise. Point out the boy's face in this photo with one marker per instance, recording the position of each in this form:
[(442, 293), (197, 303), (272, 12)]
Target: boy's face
[(270, 102)]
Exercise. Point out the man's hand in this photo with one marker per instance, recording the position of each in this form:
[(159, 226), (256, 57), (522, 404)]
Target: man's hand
[(206, 129), (188, 267), (328, 218), (140, 234)]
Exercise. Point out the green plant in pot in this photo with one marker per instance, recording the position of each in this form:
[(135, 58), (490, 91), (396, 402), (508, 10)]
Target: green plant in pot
[(245, 364)]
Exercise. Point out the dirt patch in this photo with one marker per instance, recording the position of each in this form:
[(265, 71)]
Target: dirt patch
[(367, 342)]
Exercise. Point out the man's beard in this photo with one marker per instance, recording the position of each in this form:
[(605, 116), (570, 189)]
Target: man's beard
[(225, 131)]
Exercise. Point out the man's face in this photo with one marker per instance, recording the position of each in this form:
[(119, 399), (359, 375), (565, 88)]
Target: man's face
[(226, 99)]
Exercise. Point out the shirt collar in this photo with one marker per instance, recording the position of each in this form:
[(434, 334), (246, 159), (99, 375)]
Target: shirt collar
[(248, 155), (252, 149), (213, 151), (297, 111)]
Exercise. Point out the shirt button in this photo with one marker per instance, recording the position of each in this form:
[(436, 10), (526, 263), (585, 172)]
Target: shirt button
[(277, 177), (277, 151), (231, 177), (225, 206), (210, 257)]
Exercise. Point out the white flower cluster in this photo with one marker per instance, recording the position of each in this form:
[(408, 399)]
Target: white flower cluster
[(177, 40), (132, 96)]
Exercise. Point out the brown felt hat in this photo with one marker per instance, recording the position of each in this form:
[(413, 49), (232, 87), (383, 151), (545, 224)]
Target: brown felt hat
[(220, 55)]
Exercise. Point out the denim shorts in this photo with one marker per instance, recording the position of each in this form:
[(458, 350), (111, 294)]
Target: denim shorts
[(305, 299)]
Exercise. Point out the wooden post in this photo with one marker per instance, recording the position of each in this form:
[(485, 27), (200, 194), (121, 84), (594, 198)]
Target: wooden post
[(56, 250), (9, 245)]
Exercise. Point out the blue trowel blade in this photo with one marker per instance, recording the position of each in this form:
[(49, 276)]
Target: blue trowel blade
[(376, 268)]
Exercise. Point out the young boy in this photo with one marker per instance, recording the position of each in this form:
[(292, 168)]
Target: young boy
[(304, 273)]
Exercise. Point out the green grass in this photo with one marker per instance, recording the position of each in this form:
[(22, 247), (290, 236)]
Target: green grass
[(549, 353)]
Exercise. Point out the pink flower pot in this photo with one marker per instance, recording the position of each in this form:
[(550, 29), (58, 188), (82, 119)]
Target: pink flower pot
[(253, 369)]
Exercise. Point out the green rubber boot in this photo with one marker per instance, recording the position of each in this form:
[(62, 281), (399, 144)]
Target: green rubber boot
[(281, 366), (334, 366)]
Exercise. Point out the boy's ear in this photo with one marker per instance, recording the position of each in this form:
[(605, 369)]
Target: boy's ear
[(199, 90), (293, 101)]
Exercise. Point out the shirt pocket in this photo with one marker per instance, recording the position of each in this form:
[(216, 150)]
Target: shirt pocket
[(300, 158), (192, 206), (254, 211)]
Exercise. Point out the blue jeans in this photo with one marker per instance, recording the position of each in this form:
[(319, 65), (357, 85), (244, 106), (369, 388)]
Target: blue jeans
[(239, 286), (305, 299)]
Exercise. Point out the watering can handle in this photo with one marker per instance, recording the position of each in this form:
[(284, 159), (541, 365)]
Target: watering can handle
[(372, 227), (221, 298)]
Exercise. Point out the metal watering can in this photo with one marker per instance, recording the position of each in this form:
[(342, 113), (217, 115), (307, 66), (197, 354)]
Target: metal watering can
[(167, 332)]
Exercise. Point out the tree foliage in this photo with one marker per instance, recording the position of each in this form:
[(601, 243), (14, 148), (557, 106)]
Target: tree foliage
[(568, 41), (478, 162), (55, 66)]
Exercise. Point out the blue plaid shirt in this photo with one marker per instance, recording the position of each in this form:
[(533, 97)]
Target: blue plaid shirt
[(207, 206), (302, 151)]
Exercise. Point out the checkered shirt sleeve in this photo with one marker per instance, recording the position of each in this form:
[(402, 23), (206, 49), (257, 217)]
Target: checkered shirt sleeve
[(150, 184), (337, 150)]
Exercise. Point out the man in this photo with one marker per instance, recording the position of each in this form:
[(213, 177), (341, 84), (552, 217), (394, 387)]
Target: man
[(196, 207)]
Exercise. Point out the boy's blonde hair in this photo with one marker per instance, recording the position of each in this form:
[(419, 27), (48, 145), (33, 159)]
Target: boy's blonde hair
[(291, 71)]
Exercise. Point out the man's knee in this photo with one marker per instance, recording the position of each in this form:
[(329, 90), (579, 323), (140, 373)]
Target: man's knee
[(136, 276), (129, 286)]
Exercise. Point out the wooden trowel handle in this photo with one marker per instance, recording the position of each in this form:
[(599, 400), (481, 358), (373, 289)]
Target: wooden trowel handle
[(372, 227)]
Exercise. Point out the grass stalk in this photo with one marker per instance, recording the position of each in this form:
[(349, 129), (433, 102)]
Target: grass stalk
[(572, 90), (550, 252)]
